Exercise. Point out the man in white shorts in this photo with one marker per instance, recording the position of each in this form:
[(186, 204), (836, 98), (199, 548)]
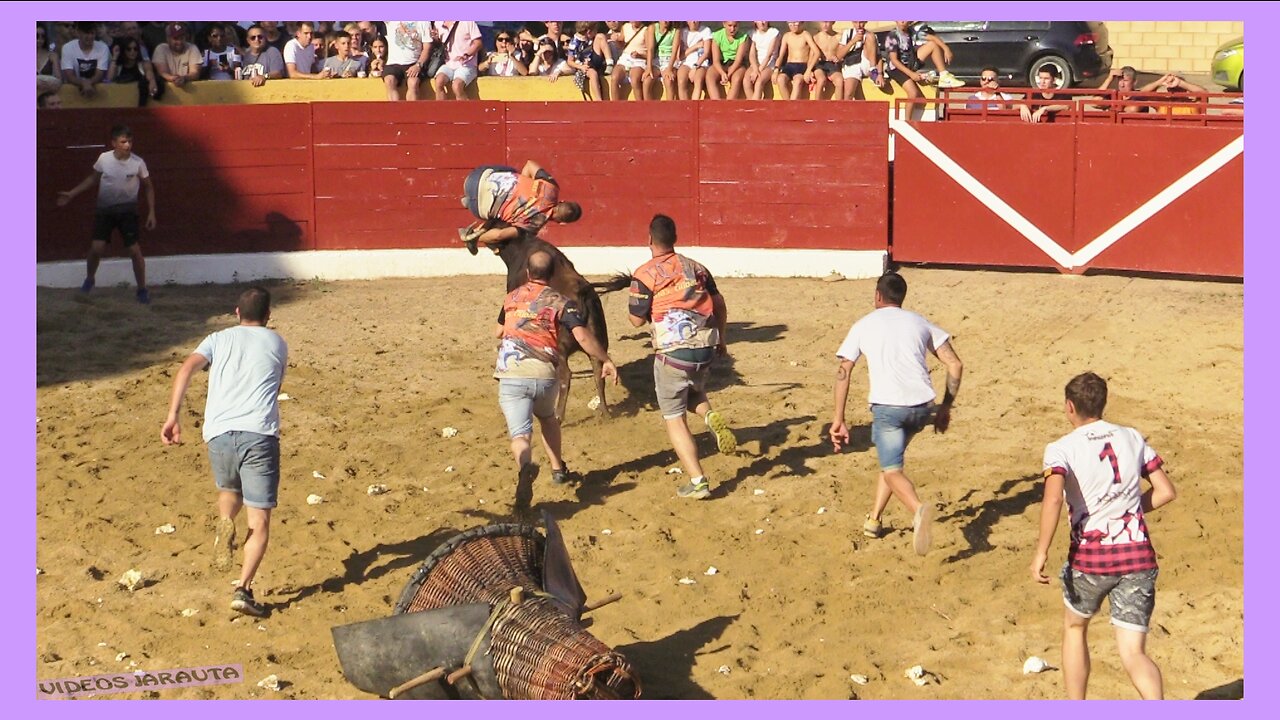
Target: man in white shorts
[(895, 342), (1099, 468), (858, 53)]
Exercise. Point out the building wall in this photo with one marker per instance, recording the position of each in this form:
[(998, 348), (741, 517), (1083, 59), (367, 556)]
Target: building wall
[(1182, 46)]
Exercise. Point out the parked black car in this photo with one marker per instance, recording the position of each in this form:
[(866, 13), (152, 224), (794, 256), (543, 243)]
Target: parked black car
[(1079, 50)]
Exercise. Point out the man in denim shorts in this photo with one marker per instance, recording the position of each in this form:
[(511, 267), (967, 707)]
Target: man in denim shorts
[(529, 325), (242, 429), (895, 342), (1099, 468)]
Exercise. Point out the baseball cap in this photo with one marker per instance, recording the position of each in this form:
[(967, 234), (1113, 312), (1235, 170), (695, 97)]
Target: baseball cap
[(175, 30)]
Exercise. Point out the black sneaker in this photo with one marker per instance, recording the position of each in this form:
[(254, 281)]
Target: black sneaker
[(86, 286), (242, 602), (524, 486), (563, 476), (144, 297)]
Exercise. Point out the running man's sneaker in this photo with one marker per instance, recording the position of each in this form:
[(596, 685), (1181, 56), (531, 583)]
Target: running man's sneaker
[(87, 285), (699, 490), (563, 476), (947, 80), (242, 602), (144, 296), (922, 529), (224, 544), (724, 436), (872, 528)]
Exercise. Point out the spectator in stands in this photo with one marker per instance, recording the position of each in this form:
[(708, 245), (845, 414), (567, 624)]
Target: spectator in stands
[(342, 64), (765, 41), (377, 57), (127, 66), (221, 61), (177, 61), (460, 68), (63, 33), (1039, 109), (129, 29), (793, 70), (729, 61), (588, 54), (694, 60), (630, 62), (322, 49), (300, 55), (662, 41), (1179, 91), (48, 66), (988, 94), (408, 46), (49, 101), (261, 60), (503, 61), (555, 31), (359, 48), (275, 38), (828, 69), (858, 53), (905, 59), (85, 60)]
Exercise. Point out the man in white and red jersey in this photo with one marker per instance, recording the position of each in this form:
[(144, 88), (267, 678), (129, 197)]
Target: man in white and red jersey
[(1099, 467), (680, 298), (529, 326), (895, 342)]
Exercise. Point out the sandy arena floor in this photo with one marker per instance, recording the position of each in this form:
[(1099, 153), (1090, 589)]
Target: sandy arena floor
[(378, 369)]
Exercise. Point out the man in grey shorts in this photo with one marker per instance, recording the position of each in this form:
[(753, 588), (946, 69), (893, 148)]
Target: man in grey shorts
[(679, 296), (1099, 467), (242, 429)]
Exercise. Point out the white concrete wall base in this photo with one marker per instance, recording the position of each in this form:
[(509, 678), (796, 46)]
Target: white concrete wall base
[(438, 262)]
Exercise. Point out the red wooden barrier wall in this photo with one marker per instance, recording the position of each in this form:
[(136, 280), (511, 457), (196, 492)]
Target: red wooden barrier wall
[(1074, 183), (244, 178)]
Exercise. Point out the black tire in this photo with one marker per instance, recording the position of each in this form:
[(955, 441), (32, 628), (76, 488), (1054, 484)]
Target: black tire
[(1065, 77), (1241, 81)]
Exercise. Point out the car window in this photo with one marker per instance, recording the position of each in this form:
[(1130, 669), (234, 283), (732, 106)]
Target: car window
[(953, 26), (1018, 25)]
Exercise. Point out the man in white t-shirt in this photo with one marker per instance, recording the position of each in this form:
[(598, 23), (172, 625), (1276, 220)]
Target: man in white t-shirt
[(118, 174), (300, 55), (408, 47), (894, 342), (1099, 468), (242, 430), (85, 60)]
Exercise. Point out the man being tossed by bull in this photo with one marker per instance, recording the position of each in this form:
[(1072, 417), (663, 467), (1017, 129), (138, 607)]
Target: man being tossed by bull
[(509, 202)]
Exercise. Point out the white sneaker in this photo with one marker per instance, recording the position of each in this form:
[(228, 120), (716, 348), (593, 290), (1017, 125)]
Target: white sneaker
[(947, 80)]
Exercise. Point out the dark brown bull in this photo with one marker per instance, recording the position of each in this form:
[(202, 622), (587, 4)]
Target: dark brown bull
[(566, 280)]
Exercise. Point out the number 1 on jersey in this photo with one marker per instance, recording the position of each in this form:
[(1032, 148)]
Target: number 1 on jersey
[(1109, 454)]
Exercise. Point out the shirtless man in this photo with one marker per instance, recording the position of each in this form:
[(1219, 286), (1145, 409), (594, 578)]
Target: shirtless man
[(798, 57), (828, 67)]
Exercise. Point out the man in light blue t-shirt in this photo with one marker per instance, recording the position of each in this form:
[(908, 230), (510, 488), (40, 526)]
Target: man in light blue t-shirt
[(242, 429)]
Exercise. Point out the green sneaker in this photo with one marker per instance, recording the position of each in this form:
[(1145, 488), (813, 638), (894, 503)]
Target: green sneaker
[(724, 436), (695, 490)]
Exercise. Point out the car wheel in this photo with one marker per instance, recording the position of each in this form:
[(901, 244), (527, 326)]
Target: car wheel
[(1242, 82), (1058, 63)]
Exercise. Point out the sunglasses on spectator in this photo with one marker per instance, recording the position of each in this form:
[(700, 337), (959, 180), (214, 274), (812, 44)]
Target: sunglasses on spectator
[(987, 79), (503, 38), (256, 37)]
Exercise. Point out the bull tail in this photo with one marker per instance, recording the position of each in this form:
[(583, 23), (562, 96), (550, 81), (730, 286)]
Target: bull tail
[(620, 281)]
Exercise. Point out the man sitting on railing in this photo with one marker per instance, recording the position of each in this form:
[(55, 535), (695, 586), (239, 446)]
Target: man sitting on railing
[(1038, 107)]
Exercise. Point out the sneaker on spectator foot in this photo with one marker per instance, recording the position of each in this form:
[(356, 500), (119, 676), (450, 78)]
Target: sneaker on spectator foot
[(699, 490), (724, 436), (242, 602), (947, 80)]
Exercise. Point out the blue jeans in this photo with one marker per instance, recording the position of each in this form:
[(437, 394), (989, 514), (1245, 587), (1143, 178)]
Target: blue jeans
[(893, 426), (522, 399), (248, 464)]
